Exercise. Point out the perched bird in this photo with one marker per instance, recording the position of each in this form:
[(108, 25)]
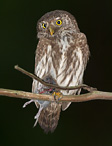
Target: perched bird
[(61, 58)]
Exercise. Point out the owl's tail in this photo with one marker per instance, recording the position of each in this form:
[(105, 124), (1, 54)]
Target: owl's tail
[(48, 119)]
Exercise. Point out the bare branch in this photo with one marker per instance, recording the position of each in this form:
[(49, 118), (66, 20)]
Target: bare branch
[(86, 87), (73, 98), (93, 95)]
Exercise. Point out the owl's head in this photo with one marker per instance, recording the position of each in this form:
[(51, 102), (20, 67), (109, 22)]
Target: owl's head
[(54, 23)]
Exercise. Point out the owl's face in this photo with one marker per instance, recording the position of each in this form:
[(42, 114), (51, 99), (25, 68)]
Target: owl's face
[(54, 23)]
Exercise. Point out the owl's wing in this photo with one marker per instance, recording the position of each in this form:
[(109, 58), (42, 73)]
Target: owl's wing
[(40, 64), (80, 42)]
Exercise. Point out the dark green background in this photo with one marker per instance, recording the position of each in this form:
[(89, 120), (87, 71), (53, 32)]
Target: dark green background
[(83, 124)]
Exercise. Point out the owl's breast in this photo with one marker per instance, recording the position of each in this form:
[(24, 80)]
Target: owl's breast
[(71, 68), (63, 62)]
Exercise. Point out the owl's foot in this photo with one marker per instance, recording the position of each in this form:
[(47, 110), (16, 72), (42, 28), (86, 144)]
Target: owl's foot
[(57, 96), (26, 103)]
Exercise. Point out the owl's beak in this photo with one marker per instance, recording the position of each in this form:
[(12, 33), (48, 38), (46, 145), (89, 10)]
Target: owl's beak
[(51, 30)]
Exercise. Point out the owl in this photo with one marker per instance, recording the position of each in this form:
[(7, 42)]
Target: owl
[(61, 58)]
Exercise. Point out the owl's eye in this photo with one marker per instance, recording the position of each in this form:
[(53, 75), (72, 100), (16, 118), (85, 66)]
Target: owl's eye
[(58, 22), (44, 25)]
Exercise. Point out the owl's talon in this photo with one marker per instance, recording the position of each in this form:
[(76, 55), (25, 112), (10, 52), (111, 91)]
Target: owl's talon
[(57, 96)]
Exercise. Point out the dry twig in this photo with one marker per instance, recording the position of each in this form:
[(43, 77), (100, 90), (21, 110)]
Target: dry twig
[(93, 95), (73, 98), (52, 85)]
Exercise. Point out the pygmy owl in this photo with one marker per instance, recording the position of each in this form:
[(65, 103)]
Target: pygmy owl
[(61, 58)]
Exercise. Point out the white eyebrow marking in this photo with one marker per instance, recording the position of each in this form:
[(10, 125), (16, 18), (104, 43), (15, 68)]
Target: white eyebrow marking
[(57, 18)]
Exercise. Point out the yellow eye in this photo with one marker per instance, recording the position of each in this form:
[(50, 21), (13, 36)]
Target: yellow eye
[(44, 25), (58, 22)]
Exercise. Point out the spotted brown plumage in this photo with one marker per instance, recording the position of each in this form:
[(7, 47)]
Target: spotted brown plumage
[(61, 55)]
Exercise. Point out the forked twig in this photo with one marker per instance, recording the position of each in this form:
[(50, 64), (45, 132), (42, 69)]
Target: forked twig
[(93, 95), (86, 87), (72, 98)]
